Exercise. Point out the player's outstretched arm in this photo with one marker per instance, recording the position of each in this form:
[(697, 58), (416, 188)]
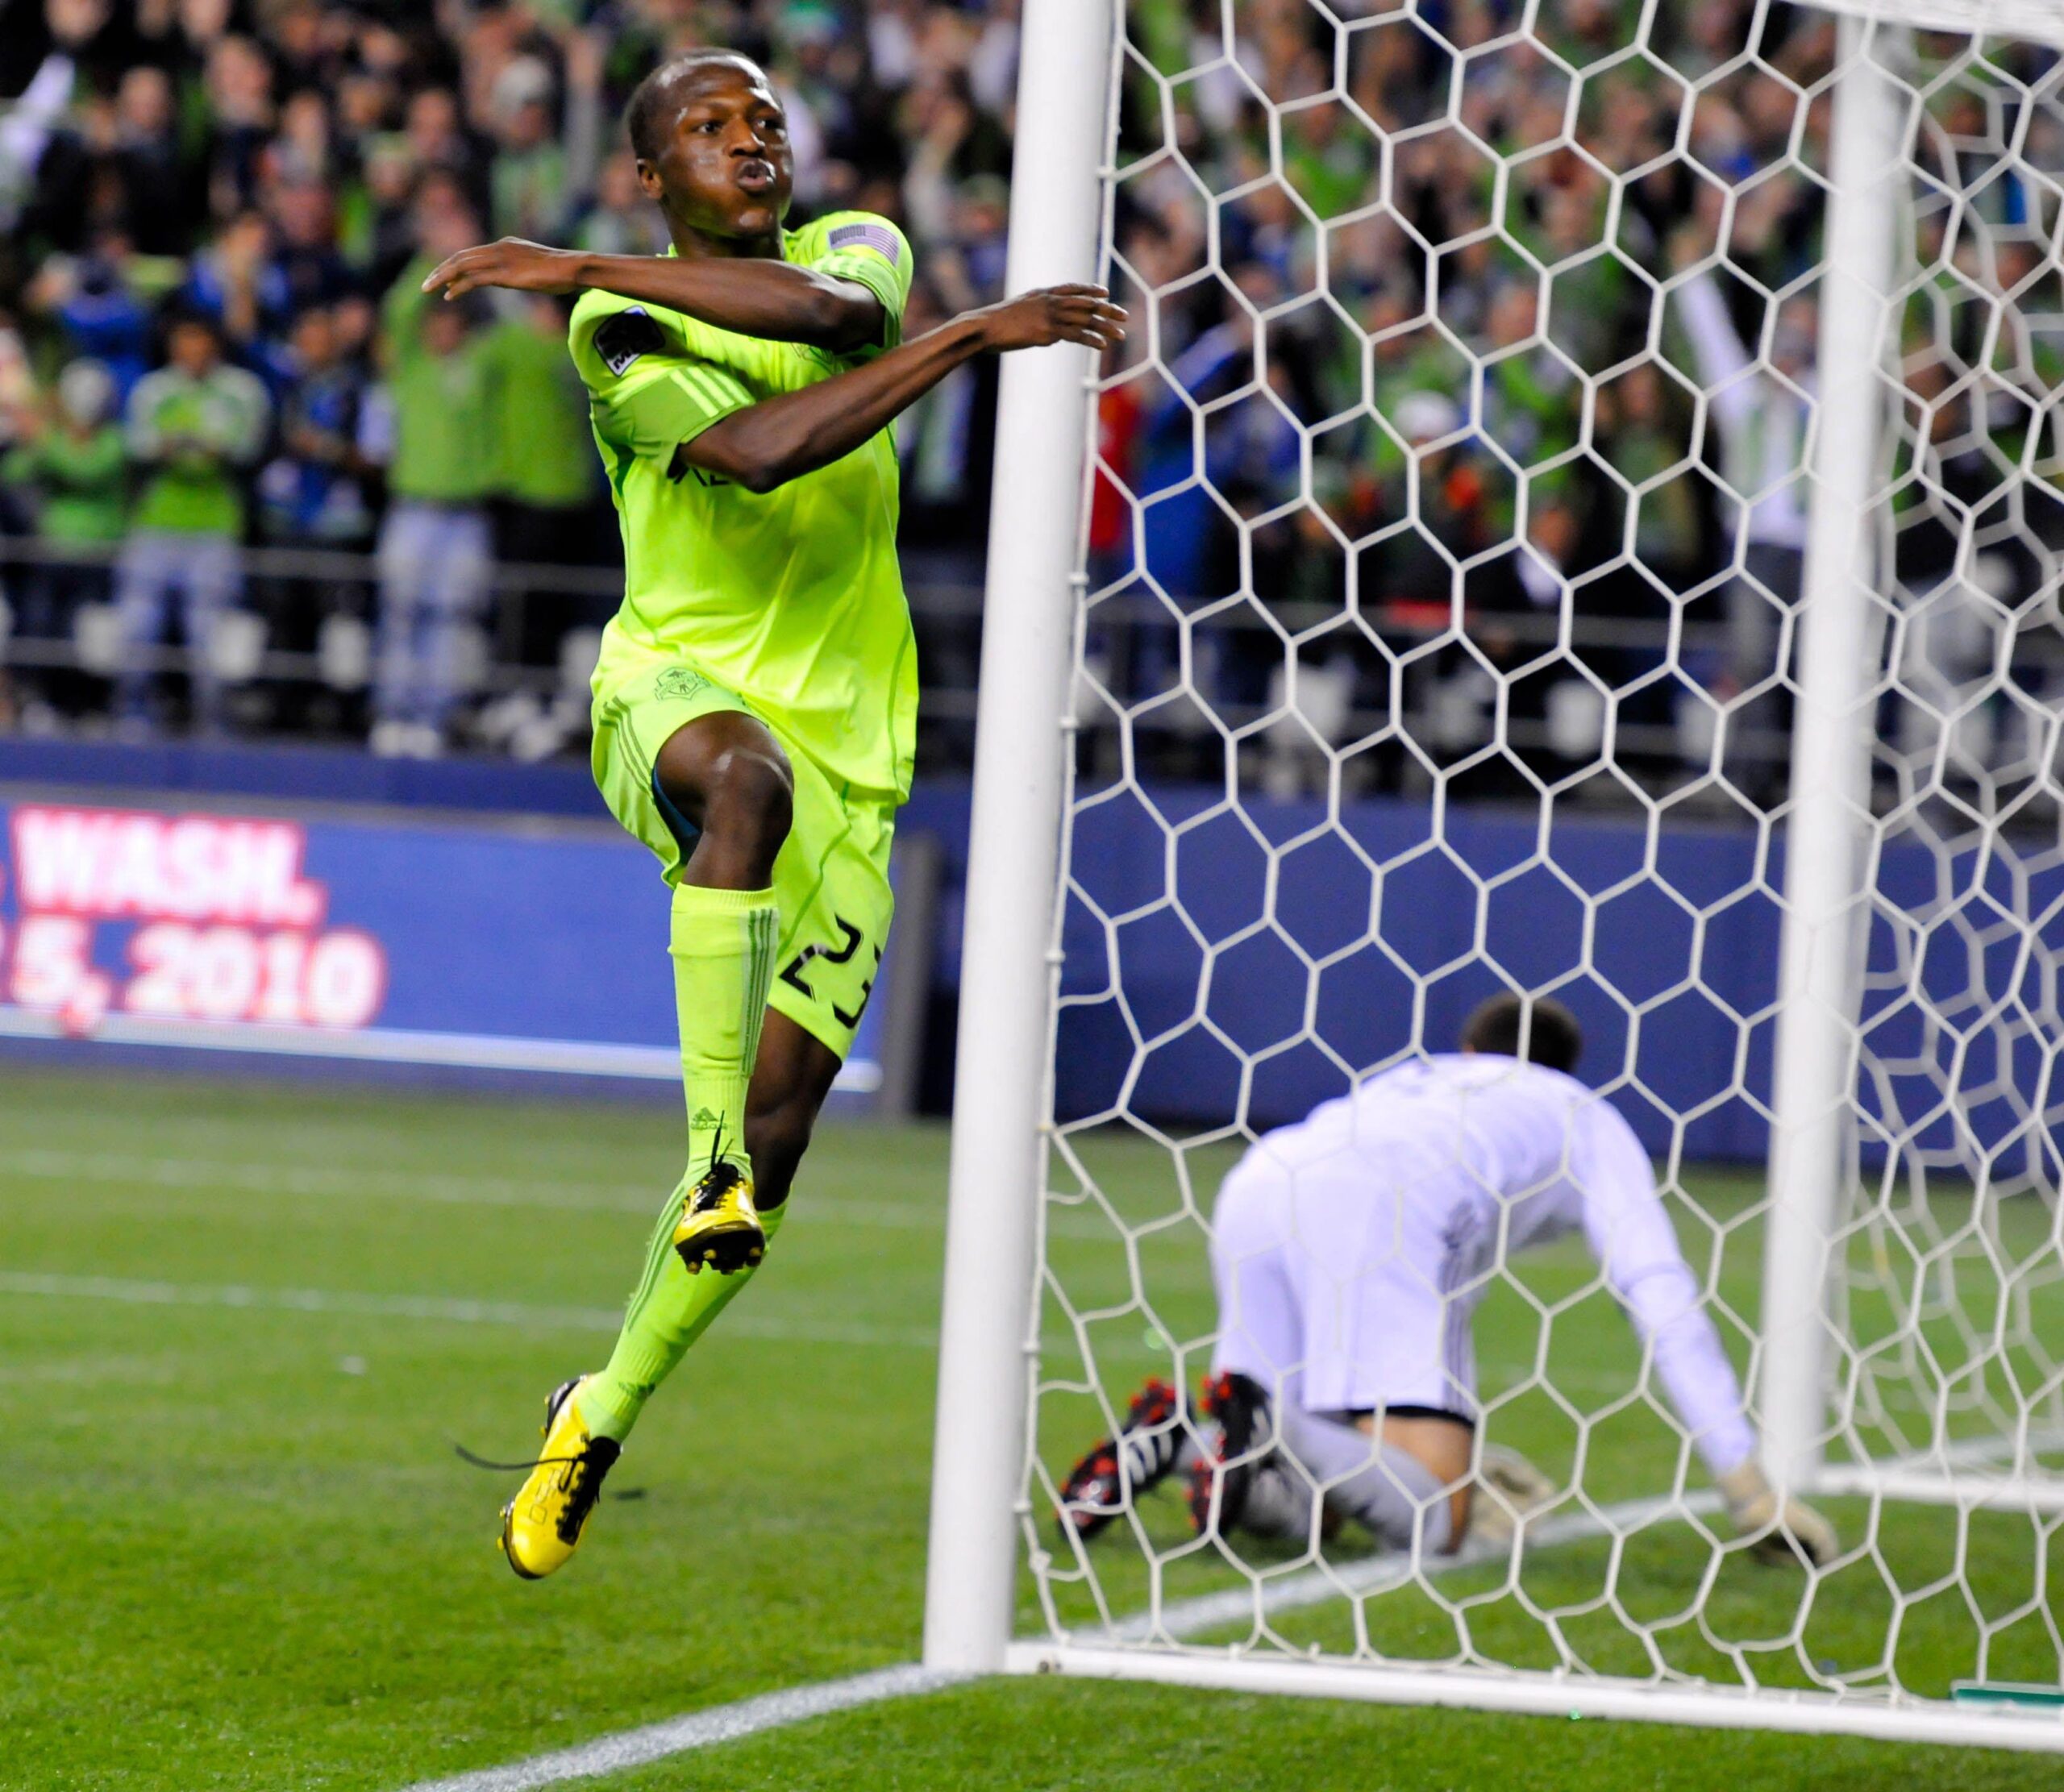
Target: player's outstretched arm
[(780, 438), (776, 301), (1630, 1233)]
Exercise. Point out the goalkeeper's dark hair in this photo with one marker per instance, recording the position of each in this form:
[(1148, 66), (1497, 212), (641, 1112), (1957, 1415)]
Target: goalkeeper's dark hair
[(1537, 1027), (645, 118)]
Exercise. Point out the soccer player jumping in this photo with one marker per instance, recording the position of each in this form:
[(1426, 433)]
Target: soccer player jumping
[(754, 702)]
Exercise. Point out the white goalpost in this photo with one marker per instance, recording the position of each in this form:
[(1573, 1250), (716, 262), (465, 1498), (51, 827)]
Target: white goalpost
[(992, 1221), (1581, 513)]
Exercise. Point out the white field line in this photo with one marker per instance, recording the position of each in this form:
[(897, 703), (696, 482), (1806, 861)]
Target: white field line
[(449, 1309), (433, 1307), (376, 1044), (1186, 1618), (1378, 1574), (399, 1045), (43, 1164), (616, 1753), (40, 1164), (460, 1311), (440, 1188), (630, 1748)]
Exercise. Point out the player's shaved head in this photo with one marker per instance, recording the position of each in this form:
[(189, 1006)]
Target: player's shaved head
[(713, 152), (1537, 1027), (659, 95)]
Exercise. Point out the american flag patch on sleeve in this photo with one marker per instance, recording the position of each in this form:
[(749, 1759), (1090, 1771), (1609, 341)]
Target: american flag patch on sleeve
[(876, 237)]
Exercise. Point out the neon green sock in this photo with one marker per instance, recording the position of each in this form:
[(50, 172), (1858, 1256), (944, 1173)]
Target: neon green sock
[(723, 946), (669, 1312)]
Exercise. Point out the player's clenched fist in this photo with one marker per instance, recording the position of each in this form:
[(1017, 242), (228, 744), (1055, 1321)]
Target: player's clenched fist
[(1049, 315)]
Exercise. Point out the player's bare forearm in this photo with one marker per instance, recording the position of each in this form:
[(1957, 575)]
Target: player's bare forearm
[(780, 438), (776, 300)]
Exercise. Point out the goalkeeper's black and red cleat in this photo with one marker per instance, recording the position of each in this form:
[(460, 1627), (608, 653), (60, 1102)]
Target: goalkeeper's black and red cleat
[(1149, 1441), (1220, 1477)]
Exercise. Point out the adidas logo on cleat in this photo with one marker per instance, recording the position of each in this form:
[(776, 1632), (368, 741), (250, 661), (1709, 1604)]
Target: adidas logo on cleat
[(704, 1121)]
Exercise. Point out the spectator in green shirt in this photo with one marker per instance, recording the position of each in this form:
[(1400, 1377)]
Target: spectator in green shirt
[(529, 178), (548, 486), (194, 427), (74, 468), (436, 552)]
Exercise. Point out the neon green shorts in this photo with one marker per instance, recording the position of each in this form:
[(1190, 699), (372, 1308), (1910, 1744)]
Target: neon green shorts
[(831, 877)]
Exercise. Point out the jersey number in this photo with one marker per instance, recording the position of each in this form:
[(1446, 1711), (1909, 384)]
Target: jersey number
[(792, 972)]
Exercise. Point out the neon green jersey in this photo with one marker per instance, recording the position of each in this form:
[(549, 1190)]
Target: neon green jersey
[(791, 598)]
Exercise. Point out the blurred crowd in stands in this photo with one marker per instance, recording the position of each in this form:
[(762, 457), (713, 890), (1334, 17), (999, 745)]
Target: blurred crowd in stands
[(1353, 392), (220, 384), (1525, 336)]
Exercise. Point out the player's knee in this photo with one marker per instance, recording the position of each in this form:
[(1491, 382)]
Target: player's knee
[(749, 802)]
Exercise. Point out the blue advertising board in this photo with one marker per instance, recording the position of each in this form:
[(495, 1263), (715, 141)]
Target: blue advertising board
[(469, 945), (1208, 977), (493, 944)]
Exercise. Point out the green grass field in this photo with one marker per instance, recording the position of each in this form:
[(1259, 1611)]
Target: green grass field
[(241, 1325)]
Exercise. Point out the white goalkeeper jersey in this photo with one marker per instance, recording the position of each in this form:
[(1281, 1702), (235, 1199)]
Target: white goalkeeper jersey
[(1475, 1154)]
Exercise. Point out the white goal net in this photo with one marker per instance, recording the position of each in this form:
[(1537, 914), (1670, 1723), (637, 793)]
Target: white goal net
[(1579, 514)]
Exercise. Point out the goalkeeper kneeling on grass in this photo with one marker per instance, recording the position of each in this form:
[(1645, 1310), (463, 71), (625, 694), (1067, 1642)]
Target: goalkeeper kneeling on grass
[(1348, 1252)]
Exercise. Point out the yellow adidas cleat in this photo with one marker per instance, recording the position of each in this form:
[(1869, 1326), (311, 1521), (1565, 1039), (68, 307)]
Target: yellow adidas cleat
[(719, 1225), (542, 1525)]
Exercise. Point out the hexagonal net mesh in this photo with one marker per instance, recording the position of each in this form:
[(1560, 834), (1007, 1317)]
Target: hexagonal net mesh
[(1441, 637)]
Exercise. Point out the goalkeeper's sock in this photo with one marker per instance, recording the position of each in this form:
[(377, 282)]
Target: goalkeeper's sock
[(669, 1312), (723, 945)]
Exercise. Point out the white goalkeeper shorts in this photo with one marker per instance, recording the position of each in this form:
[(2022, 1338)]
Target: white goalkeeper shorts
[(1345, 1289)]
